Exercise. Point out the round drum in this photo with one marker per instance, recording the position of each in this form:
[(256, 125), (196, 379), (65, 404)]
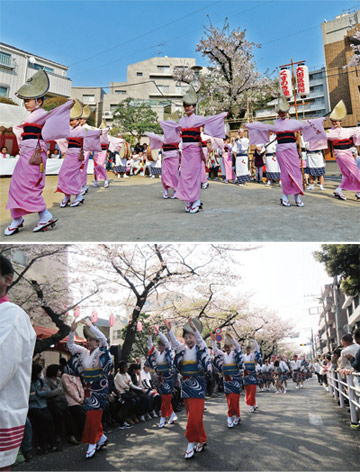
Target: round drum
[(152, 155), (124, 152)]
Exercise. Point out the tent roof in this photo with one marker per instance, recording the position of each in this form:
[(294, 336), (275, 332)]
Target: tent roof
[(11, 115), (43, 333)]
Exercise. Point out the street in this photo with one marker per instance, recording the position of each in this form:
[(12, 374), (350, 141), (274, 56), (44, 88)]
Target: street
[(303, 430), (134, 210)]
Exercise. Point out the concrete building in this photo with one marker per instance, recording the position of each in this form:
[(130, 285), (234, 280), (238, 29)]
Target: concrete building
[(315, 105), (16, 66), (352, 307), (92, 96), (343, 82), (150, 81), (333, 319)]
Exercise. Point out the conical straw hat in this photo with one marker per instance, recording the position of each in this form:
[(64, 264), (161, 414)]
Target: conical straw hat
[(282, 105), (197, 323), (339, 111), (228, 340), (86, 112), (76, 110), (103, 125), (190, 97), (35, 86)]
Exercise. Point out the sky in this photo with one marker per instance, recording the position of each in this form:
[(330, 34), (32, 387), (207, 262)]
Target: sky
[(98, 39)]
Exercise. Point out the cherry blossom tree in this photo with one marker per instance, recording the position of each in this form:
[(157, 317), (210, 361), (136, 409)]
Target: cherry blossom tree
[(231, 82)]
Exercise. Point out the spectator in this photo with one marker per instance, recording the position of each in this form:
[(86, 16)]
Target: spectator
[(259, 162), (146, 382), (4, 153), (75, 395), (354, 359), (39, 414), (56, 154), (17, 341), (350, 348), (126, 391), (145, 401)]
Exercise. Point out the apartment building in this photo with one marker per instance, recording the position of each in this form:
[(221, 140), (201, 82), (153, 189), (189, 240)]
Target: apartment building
[(343, 82), (16, 66), (150, 81), (315, 105)]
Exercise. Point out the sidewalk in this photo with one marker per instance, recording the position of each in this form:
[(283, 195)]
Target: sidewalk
[(134, 210)]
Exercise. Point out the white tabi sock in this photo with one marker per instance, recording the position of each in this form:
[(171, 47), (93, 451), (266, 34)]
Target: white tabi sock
[(285, 198), (44, 216)]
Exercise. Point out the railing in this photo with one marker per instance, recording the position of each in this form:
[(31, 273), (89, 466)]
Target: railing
[(337, 388)]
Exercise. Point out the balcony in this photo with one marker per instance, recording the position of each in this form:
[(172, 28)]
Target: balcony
[(7, 62)]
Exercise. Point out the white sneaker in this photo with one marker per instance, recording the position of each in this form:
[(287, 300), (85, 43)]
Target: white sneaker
[(173, 418), (230, 424), (321, 187), (189, 453), (310, 187)]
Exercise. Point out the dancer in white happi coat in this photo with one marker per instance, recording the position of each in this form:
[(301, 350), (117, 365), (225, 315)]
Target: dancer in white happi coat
[(241, 149), (17, 342), (296, 366), (271, 163), (250, 378)]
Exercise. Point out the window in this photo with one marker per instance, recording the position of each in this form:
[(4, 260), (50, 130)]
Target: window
[(113, 106), (47, 69), (5, 59), (180, 90), (357, 301), (139, 74), (88, 99), (318, 75), (350, 310), (164, 88), (120, 92), (3, 91), (163, 69)]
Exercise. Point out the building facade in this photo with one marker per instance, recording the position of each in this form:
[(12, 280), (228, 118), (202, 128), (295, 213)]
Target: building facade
[(150, 81), (343, 82), (16, 66), (315, 105)]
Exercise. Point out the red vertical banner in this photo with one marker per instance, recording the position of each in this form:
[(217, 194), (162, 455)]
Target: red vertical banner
[(94, 317), (111, 320), (285, 83)]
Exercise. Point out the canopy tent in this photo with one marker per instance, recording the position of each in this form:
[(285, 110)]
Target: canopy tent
[(11, 115)]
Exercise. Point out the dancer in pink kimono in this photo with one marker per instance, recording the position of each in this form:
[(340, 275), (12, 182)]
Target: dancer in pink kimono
[(80, 139), (228, 160), (28, 179), (204, 180), (343, 140), (83, 169), (286, 149), (100, 157), (169, 143), (189, 186)]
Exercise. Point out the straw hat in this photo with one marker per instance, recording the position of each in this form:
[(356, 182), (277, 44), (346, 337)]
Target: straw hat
[(103, 125), (198, 325), (339, 111), (228, 340), (282, 105), (89, 334), (76, 111), (190, 97), (86, 112), (35, 86)]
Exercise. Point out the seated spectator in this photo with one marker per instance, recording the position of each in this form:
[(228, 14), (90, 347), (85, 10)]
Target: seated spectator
[(146, 382), (145, 401), (58, 405), (4, 153), (74, 394), (126, 391), (56, 154), (39, 414)]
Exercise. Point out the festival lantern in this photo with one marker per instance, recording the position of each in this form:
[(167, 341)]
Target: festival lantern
[(111, 320), (302, 81), (77, 312), (285, 83), (94, 317)]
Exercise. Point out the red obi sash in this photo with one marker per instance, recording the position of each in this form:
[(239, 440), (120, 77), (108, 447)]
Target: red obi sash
[(75, 142), (104, 147), (170, 147), (191, 135), (31, 131), (285, 137), (343, 143)]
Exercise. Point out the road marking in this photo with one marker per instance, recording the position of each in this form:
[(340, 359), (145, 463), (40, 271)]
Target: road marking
[(315, 420)]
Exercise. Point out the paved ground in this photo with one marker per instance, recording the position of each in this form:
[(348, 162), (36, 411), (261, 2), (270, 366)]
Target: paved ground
[(302, 431), (134, 210)]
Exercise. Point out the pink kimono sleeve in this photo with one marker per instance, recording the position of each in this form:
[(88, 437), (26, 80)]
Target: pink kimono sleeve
[(92, 140), (258, 132), (313, 132), (63, 145), (104, 139), (156, 141), (214, 125), (57, 123), (171, 131), (356, 136)]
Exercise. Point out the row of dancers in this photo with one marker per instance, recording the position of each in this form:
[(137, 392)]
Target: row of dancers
[(78, 140)]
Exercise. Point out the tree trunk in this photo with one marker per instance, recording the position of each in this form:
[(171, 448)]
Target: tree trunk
[(132, 327)]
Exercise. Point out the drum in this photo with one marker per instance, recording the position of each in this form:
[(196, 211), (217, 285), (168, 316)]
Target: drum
[(124, 152), (152, 155)]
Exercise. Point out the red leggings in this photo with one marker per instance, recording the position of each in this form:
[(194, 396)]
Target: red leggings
[(166, 406), (233, 400), (195, 431), (93, 429), (250, 393)]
